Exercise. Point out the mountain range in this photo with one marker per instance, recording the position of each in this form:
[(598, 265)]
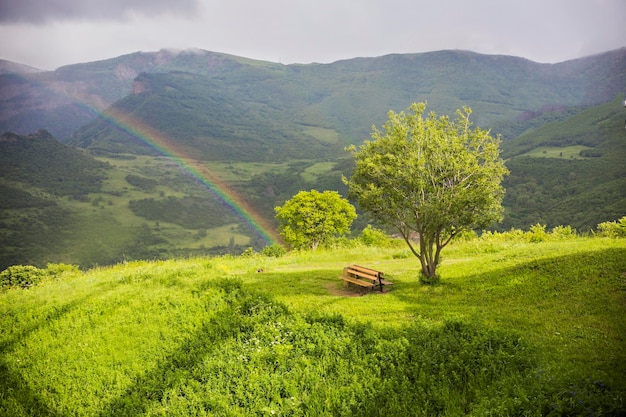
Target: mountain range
[(346, 97), (265, 130)]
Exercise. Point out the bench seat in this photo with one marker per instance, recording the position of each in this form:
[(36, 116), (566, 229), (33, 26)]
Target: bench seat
[(358, 281)]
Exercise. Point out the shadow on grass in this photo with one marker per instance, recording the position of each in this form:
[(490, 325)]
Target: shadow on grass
[(305, 283), (535, 279), (17, 393), (573, 305), (150, 388), (13, 387)]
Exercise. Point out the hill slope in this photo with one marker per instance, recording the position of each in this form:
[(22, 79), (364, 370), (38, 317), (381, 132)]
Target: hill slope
[(39, 176), (203, 117), (346, 96), (514, 328), (266, 131), (59, 204), (338, 103), (570, 172)]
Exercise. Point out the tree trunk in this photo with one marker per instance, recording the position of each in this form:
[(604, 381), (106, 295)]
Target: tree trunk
[(429, 274), (429, 262)]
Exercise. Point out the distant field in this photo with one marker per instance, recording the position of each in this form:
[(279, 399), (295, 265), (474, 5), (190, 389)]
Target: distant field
[(568, 152), (311, 173), (242, 171), (323, 134)]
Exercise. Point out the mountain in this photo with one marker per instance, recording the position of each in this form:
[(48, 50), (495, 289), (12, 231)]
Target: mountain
[(8, 67), (38, 176), (343, 98), (60, 204), (207, 118), (63, 100), (157, 155), (568, 172)]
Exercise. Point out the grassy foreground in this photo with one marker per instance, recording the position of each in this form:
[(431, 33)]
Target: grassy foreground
[(514, 328)]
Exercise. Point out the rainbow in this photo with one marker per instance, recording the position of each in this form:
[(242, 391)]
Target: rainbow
[(170, 149), (186, 163)]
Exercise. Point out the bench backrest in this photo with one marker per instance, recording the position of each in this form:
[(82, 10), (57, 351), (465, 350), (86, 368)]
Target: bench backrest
[(369, 271)]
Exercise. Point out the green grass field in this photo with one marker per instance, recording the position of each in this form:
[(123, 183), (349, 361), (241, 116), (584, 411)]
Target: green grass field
[(514, 328), (567, 152)]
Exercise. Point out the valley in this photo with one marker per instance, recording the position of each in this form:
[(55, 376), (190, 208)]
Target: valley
[(177, 154)]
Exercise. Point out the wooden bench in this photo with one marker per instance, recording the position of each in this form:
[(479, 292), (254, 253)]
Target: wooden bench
[(365, 277)]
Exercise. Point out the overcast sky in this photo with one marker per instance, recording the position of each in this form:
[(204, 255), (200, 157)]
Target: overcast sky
[(50, 33)]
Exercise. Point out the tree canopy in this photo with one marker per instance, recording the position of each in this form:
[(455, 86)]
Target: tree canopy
[(430, 178), (311, 218)]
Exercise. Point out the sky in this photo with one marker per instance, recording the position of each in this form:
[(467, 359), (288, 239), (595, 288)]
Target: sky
[(47, 34)]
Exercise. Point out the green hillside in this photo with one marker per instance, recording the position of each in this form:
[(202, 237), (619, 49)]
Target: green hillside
[(265, 131), (59, 204), (346, 96), (39, 160), (244, 109), (514, 328), (208, 120), (570, 172), (39, 179), (66, 206)]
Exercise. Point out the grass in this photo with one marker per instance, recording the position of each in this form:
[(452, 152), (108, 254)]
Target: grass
[(567, 152), (116, 206), (261, 336), (242, 171), (323, 134), (311, 173)]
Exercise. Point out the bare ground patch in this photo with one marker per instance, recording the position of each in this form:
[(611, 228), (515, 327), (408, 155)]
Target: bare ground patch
[(350, 291)]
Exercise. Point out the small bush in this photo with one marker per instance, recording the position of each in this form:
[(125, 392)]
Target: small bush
[(614, 229), (513, 235), (275, 251), (21, 276), (370, 236), (537, 233), (563, 232), (466, 236), (56, 270), (248, 253), (340, 242)]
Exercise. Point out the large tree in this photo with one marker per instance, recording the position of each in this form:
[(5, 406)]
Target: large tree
[(311, 218), (429, 177)]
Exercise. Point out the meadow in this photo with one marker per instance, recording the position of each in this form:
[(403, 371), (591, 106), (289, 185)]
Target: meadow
[(568, 152), (521, 324)]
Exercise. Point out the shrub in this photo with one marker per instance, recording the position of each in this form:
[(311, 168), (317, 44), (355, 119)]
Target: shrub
[(56, 270), (248, 253), (512, 235), (537, 233), (466, 236), (370, 236), (274, 250), (21, 276), (613, 229), (340, 242), (563, 232)]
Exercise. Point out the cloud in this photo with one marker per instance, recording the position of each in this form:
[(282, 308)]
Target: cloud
[(44, 11), (51, 33)]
